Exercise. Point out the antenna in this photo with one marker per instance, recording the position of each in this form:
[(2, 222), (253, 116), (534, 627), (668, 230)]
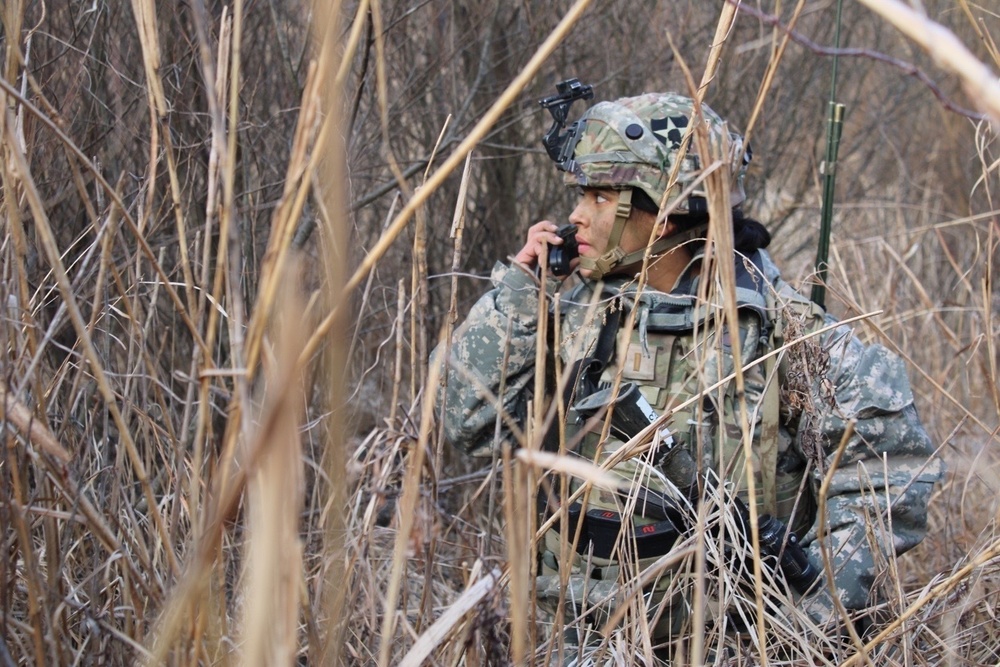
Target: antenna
[(834, 128)]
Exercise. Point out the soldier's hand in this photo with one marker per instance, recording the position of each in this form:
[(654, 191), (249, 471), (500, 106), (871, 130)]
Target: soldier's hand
[(540, 236)]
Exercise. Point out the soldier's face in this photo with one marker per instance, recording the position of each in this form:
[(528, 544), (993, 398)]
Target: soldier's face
[(594, 217)]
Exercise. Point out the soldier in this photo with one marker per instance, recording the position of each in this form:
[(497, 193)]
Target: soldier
[(658, 347)]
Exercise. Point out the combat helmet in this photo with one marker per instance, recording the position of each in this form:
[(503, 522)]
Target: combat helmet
[(635, 142)]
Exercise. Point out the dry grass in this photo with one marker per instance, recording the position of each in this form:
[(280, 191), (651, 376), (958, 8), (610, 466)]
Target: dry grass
[(218, 435)]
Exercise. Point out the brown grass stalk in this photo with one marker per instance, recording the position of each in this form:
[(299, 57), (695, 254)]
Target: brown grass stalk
[(771, 73), (149, 39), (48, 243), (463, 149), (287, 213), (275, 497), (16, 413), (162, 180), (193, 585), (408, 503), (333, 592), (447, 624), (73, 149)]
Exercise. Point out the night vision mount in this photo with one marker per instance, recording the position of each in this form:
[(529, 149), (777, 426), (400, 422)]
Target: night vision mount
[(560, 145)]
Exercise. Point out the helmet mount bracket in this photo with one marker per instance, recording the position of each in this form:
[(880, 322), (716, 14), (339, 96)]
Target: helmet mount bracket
[(639, 142), (558, 144)]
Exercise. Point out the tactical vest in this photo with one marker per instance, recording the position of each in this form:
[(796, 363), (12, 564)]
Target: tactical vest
[(675, 351)]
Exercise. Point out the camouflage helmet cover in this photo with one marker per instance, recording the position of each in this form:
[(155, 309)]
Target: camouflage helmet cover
[(634, 142)]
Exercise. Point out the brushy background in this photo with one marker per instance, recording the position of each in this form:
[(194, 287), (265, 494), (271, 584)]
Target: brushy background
[(233, 232)]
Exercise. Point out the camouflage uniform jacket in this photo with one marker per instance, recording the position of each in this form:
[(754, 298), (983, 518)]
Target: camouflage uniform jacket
[(673, 354)]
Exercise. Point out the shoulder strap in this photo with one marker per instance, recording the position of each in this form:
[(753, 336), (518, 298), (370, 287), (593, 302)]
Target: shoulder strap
[(769, 424), (585, 374), (770, 413)]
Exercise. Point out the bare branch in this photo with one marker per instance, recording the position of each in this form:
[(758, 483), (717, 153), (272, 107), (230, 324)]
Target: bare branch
[(907, 68)]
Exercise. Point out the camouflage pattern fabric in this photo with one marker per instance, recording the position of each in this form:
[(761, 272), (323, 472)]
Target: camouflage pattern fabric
[(636, 141), (825, 384)]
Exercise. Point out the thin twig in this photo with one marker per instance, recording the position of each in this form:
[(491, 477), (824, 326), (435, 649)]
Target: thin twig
[(907, 68)]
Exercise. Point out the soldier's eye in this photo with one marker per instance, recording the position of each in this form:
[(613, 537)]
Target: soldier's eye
[(601, 199)]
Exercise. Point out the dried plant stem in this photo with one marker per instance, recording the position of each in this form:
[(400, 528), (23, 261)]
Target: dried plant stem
[(225, 498), (37, 609), (32, 430), (179, 219), (382, 88), (356, 338), (48, 243), (418, 274), (15, 224), (132, 225), (821, 538), (301, 163), (772, 70), (352, 43), (988, 316), (13, 22), (727, 18), (463, 149), (457, 228), (980, 83), (420, 359), (336, 526), (398, 372), (720, 243), (149, 39), (219, 163), (409, 500), (276, 492), (936, 592), (447, 623), (16, 413), (518, 493)]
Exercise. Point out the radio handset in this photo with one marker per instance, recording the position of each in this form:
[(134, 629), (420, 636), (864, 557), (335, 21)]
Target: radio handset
[(560, 256)]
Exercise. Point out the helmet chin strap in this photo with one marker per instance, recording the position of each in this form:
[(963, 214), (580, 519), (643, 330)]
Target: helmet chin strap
[(615, 257), (613, 254), (661, 246)]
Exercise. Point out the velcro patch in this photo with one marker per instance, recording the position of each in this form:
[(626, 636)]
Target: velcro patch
[(638, 365)]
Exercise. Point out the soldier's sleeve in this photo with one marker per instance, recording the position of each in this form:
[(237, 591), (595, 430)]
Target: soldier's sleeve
[(476, 370), (876, 505)]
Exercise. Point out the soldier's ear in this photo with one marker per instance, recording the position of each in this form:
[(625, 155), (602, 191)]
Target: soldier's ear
[(666, 228)]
